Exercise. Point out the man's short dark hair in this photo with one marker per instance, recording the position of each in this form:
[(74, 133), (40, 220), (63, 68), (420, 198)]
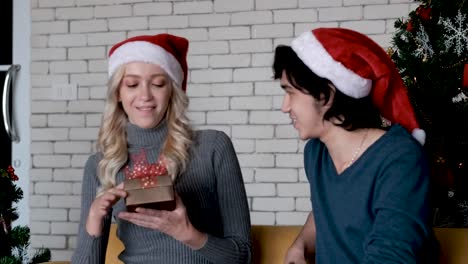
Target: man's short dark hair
[(349, 113)]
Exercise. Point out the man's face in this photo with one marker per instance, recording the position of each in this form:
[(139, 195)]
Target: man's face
[(304, 110)]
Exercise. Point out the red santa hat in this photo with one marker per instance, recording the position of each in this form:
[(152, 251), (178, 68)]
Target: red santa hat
[(359, 67), (167, 51)]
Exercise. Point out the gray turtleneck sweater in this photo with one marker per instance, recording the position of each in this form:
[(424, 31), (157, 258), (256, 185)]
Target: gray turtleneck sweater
[(211, 188)]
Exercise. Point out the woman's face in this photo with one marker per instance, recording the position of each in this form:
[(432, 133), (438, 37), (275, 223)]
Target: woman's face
[(144, 92), (304, 110)]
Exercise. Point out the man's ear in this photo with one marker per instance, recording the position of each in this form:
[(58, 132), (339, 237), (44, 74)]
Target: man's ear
[(329, 103), (330, 100)]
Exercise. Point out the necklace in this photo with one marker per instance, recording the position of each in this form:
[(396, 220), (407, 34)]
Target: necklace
[(358, 150)]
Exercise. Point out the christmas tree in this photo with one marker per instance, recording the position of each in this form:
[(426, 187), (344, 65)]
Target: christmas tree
[(14, 242), (430, 48)]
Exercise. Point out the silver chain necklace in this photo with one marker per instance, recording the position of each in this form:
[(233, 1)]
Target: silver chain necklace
[(358, 150)]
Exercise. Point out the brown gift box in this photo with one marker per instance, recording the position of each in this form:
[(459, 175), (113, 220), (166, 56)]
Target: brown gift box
[(159, 195)]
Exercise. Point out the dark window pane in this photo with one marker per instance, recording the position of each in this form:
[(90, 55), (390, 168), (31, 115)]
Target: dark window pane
[(6, 21), (5, 143)]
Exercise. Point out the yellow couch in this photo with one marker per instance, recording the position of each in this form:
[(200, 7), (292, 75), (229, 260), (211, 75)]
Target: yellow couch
[(270, 243)]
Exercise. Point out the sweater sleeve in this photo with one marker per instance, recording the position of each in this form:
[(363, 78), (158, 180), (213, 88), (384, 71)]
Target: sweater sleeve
[(401, 210), (235, 245), (90, 249)]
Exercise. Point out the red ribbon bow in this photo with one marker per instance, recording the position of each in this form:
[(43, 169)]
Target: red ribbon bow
[(145, 171)]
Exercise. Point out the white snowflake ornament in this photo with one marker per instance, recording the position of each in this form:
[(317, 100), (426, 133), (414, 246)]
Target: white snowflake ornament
[(424, 49), (456, 33), (460, 97)]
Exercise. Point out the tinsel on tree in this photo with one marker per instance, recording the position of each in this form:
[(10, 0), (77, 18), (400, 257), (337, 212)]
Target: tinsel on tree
[(14, 242), (430, 48)]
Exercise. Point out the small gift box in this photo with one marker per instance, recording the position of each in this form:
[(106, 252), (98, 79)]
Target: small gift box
[(148, 185), (159, 194)]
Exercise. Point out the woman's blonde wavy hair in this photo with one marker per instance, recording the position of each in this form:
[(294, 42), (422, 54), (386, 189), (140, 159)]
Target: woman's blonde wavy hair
[(112, 138)]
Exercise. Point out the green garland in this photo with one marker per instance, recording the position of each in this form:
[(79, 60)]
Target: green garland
[(14, 242), (430, 48), (432, 71)]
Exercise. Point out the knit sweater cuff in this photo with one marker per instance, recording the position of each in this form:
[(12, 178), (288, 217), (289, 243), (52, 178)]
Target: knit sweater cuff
[(224, 250), (89, 244), (90, 241), (92, 249)]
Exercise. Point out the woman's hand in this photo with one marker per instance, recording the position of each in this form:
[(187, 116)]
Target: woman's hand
[(101, 206), (174, 223)]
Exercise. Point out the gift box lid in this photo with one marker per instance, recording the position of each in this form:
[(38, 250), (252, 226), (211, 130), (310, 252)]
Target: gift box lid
[(148, 182)]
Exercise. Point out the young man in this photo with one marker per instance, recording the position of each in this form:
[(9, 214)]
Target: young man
[(369, 184)]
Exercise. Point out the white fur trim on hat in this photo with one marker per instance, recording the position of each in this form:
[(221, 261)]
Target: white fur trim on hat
[(316, 57), (419, 135), (144, 51)]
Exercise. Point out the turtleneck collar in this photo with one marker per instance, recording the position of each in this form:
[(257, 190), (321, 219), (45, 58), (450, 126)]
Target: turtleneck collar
[(138, 137)]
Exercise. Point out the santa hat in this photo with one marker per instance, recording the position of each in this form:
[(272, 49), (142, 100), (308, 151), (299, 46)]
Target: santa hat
[(359, 67), (167, 51)]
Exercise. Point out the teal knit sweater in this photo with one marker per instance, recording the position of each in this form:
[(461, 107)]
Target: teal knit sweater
[(377, 210)]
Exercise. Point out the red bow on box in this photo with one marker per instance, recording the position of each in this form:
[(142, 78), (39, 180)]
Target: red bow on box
[(145, 171)]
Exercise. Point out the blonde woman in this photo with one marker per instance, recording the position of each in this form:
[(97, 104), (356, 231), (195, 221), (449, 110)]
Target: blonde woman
[(145, 122)]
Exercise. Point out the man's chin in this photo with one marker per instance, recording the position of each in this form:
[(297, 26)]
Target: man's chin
[(301, 136)]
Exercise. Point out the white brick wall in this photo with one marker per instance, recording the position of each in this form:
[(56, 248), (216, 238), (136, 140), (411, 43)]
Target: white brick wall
[(230, 88)]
